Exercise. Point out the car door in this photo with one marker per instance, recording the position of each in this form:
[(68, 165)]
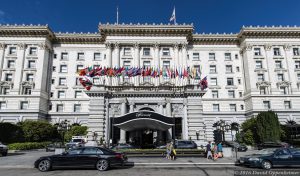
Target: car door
[(295, 156), (66, 159), (282, 157), (88, 157)]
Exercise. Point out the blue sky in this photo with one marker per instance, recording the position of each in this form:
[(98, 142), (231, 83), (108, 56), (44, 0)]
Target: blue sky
[(206, 15)]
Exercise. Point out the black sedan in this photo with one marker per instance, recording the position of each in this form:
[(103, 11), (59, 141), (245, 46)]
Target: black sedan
[(85, 157), (272, 157), (236, 145)]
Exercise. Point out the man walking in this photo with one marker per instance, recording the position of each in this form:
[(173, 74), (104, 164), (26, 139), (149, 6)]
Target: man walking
[(208, 150)]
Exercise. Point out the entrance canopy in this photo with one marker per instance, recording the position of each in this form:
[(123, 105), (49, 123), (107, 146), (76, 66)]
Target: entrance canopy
[(143, 120)]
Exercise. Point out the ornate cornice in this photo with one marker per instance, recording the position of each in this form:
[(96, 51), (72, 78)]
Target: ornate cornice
[(213, 39), (263, 84), (283, 84), (83, 38), (7, 84)]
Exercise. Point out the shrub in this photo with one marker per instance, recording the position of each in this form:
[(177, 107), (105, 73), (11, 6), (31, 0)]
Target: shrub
[(268, 127), (75, 131), (10, 133), (27, 145)]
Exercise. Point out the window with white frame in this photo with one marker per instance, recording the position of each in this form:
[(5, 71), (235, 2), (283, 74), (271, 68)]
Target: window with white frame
[(12, 50), (27, 90), (262, 90), (231, 94), (297, 64), (216, 108), (232, 107), (215, 94), (96, 66), (127, 52), (276, 51), (296, 51), (230, 82), (54, 56), (80, 56), (239, 81), (241, 94), (280, 77), (64, 56), (61, 94), (62, 81), (54, 68), (51, 94), (212, 69), (198, 71), (166, 51), (228, 68), (79, 67), (33, 50), (127, 64), (11, 64), (287, 105), (278, 64), (267, 104), (213, 81), (29, 77), (146, 51), (77, 107), (63, 69), (236, 56), (298, 76), (283, 90), (5, 90), (227, 56), (212, 56), (242, 107), (196, 56), (78, 94), (8, 77), (97, 56), (24, 105), (260, 77), (166, 64), (257, 52), (2, 105), (146, 64), (258, 64), (31, 64), (96, 81), (237, 69), (59, 108), (52, 81)]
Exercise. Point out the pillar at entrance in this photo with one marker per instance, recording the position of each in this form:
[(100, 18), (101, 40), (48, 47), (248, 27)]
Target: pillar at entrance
[(123, 132)]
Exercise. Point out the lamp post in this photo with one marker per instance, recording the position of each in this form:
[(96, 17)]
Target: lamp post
[(197, 134), (222, 127), (63, 127)]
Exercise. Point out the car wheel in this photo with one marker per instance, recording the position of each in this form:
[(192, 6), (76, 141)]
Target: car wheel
[(102, 165), (4, 154), (44, 165), (266, 165)]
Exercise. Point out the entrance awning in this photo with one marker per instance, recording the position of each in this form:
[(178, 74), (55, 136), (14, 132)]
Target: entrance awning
[(143, 120)]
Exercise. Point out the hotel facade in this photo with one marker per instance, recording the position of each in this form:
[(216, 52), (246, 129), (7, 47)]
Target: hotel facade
[(257, 69)]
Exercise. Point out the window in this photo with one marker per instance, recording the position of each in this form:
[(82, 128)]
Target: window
[(258, 64), (146, 51), (278, 64), (166, 51), (212, 69), (127, 51), (54, 56), (24, 105), (5, 90), (241, 94), (276, 51), (215, 94), (79, 67), (196, 56), (59, 108), (260, 77), (228, 68), (52, 81), (31, 64), (239, 81), (77, 107), (298, 76), (237, 69), (97, 56), (230, 82), (197, 71), (32, 50), (297, 64), (213, 81), (146, 64), (51, 94), (54, 68), (216, 108), (61, 94), (96, 80), (283, 90), (50, 107), (80, 56), (10, 64), (267, 104), (63, 69), (27, 90), (8, 77), (96, 66), (232, 107), (212, 56), (29, 77), (231, 94), (296, 51), (242, 107), (257, 52), (78, 94), (262, 90), (2, 105), (92, 151), (127, 64), (64, 56), (287, 105), (62, 82), (227, 56), (236, 56), (166, 64), (280, 77), (13, 50)]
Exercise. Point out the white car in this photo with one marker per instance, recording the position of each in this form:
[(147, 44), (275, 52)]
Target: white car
[(3, 149)]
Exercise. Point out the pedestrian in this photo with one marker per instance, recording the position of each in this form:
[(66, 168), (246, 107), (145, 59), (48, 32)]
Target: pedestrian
[(215, 150), (208, 151), (168, 150), (173, 151), (220, 150)]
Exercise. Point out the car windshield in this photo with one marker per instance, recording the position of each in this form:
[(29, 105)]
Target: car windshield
[(266, 151), (77, 140)]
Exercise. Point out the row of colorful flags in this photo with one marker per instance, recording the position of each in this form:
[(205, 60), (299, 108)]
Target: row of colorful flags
[(175, 72)]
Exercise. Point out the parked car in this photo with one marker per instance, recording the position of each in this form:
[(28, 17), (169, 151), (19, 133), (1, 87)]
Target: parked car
[(123, 146), (74, 143), (272, 157), (82, 157), (185, 144), (272, 145), (3, 149), (51, 147), (233, 144)]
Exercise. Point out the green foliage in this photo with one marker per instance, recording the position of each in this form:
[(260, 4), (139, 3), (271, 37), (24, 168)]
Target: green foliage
[(249, 124), (268, 127), (248, 138), (75, 131), (27, 145), (37, 131), (10, 133)]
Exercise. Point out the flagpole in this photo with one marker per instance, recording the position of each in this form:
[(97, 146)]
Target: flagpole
[(117, 15), (175, 16)]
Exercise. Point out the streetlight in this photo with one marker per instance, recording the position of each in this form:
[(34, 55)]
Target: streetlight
[(63, 127), (197, 134), (222, 127)]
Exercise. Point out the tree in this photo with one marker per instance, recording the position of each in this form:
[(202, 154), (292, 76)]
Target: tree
[(10, 133), (268, 127), (75, 131)]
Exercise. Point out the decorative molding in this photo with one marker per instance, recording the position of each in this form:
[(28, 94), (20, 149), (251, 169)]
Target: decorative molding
[(43, 46), (22, 46), (287, 47), (156, 45), (176, 45), (108, 45), (263, 84), (2, 45), (28, 84), (117, 45), (283, 84), (7, 84), (267, 47)]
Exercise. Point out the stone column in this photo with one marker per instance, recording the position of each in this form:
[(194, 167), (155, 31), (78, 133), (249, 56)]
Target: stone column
[(117, 59), (169, 114), (109, 54), (287, 49), (184, 54), (137, 60), (267, 51), (131, 109), (123, 132), (176, 58), (185, 135), (2, 53), (19, 71), (156, 59)]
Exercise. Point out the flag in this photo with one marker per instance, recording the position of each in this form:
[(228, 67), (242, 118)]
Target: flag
[(173, 17), (203, 83)]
